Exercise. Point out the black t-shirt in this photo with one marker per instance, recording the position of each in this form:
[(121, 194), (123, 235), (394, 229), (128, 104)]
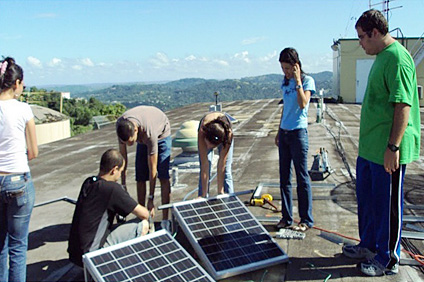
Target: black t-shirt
[(98, 203)]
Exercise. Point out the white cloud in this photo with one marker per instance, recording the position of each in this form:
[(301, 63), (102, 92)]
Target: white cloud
[(160, 60), (54, 62), (161, 67), (223, 63), (87, 62), (34, 62), (269, 57), (190, 58), (252, 40), (77, 67), (314, 63), (242, 56)]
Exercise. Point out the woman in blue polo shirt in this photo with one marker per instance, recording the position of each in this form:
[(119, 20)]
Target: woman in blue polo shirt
[(292, 140)]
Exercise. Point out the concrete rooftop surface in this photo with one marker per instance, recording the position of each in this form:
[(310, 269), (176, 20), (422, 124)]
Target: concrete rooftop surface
[(62, 166)]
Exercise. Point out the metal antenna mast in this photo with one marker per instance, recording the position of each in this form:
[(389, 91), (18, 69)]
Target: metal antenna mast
[(385, 7)]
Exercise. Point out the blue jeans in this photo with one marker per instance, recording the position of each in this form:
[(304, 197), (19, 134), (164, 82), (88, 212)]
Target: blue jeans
[(164, 156), (16, 203), (293, 147), (228, 177), (124, 232)]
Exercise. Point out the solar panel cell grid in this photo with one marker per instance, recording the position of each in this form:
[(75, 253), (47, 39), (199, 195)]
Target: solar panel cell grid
[(227, 235), (158, 257)]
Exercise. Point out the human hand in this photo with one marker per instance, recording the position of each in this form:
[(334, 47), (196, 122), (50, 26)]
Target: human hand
[(391, 161), (277, 140), (145, 227), (151, 207), (296, 73)]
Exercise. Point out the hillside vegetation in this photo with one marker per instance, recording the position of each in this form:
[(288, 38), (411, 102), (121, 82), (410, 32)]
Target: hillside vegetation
[(182, 92)]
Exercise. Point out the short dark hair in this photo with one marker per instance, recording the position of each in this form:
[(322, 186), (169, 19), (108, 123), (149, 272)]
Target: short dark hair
[(372, 19), (10, 72), (124, 129), (217, 131), (110, 159)]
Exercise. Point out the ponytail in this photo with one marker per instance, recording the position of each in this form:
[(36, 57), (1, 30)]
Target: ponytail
[(10, 72)]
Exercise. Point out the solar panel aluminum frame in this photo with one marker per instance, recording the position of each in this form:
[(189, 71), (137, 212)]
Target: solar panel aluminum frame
[(95, 274), (202, 255)]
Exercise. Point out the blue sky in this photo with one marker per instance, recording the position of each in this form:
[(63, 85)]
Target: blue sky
[(88, 41)]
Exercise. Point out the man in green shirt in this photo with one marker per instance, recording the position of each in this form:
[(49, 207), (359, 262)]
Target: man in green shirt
[(389, 139)]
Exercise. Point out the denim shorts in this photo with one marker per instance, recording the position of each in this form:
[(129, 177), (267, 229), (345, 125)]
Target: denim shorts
[(164, 157)]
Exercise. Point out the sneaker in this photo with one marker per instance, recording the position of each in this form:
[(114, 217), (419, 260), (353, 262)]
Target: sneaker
[(283, 225), (374, 268), (357, 252)]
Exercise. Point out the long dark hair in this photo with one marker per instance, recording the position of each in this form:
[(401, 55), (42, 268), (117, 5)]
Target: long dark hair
[(290, 56), (9, 73), (217, 131)]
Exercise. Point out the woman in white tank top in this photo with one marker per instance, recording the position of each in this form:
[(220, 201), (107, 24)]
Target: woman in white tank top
[(18, 145)]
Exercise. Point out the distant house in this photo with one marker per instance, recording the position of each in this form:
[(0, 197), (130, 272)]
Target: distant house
[(351, 67), (50, 125)]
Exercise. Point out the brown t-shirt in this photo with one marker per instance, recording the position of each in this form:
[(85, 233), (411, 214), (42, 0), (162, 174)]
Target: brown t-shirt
[(153, 125)]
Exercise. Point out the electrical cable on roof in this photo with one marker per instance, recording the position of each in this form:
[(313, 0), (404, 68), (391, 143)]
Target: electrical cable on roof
[(339, 145), (339, 148), (315, 268)]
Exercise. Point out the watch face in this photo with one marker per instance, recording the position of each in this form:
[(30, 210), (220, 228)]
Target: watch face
[(392, 147)]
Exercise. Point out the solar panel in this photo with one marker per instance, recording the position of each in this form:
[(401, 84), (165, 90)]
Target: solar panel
[(154, 257), (226, 236)]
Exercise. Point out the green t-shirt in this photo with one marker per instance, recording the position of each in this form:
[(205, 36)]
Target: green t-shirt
[(392, 79)]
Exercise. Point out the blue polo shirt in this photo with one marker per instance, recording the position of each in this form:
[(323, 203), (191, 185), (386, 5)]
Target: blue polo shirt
[(294, 117)]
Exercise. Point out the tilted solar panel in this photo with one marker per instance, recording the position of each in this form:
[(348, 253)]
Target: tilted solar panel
[(226, 236), (154, 257)]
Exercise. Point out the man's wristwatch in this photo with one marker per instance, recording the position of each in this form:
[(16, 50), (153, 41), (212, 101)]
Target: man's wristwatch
[(151, 197), (299, 86), (393, 147)]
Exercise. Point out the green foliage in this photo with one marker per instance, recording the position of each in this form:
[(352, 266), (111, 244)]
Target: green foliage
[(182, 92), (114, 99), (80, 111)]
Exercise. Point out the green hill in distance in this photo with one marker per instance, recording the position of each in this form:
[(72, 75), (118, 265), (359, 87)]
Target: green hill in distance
[(174, 94)]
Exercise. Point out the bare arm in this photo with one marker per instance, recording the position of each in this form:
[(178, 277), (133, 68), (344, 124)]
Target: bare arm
[(31, 139), (221, 168), (141, 212), (203, 155), (400, 121), (302, 96), (152, 162), (123, 151), (153, 170)]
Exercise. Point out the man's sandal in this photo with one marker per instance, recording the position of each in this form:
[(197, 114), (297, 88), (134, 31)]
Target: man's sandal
[(302, 227)]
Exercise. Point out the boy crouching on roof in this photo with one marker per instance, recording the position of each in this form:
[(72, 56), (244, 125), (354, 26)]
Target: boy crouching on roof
[(100, 199)]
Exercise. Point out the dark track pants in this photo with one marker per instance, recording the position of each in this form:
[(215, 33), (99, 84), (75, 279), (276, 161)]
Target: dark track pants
[(380, 209)]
